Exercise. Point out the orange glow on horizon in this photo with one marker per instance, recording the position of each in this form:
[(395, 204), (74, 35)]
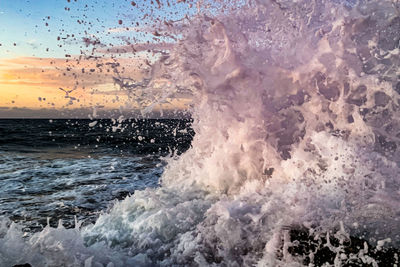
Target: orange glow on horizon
[(55, 84), (63, 83)]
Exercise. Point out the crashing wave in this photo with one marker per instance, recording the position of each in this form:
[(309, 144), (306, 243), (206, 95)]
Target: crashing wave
[(296, 114)]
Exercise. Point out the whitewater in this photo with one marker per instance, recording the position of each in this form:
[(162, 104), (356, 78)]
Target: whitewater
[(296, 113)]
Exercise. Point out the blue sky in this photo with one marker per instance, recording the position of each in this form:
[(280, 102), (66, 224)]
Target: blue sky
[(43, 52), (43, 49), (35, 25)]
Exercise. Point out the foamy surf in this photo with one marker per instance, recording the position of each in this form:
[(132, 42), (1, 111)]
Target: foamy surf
[(295, 107)]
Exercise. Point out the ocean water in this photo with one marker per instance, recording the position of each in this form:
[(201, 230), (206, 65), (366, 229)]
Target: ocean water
[(295, 157), (65, 169)]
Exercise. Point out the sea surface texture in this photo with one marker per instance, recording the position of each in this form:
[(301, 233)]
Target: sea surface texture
[(53, 170)]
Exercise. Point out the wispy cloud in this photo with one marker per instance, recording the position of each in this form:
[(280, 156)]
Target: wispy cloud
[(137, 48), (81, 82), (71, 72), (71, 82)]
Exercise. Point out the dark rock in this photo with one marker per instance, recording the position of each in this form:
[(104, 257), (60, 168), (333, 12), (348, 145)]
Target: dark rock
[(303, 243), (23, 265)]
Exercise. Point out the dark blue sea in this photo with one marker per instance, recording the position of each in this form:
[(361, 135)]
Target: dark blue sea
[(53, 170)]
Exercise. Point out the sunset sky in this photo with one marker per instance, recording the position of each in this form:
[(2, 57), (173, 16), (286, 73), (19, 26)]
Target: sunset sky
[(53, 53)]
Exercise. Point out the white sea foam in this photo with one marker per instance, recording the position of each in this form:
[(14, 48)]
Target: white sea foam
[(296, 115)]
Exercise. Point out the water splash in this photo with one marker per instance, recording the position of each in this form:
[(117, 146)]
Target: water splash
[(295, 107)]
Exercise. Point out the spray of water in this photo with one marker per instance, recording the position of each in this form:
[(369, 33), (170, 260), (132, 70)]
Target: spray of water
[(296, 109)]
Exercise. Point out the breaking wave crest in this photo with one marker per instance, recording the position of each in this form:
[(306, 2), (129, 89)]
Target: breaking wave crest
[(296, 114)]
